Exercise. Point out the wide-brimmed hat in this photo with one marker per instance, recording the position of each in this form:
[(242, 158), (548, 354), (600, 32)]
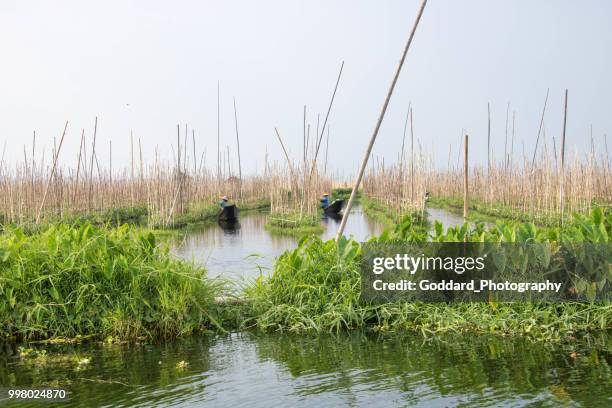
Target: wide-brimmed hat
[(224, 198), (325, 194)]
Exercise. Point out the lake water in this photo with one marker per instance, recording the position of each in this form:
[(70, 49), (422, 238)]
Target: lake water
[(351, 369), (248, 249)]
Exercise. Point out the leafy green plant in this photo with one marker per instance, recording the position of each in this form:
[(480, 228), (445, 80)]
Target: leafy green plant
[(68, 280), (316, 287)]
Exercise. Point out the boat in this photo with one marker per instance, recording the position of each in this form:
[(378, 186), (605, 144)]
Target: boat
[(335, 207), (229, 213)]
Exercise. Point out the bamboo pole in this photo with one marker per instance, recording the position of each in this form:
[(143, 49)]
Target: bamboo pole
[(331, 102), (93, 153), (76, 184), (488, 138), (465, 178), (195, 158), (402, 155), (411, 157), (286, 154), (238, 147), (44, 198), (562, 170), (540, 129), (506, 138), (326, 150), (218, 133), (379, 122)]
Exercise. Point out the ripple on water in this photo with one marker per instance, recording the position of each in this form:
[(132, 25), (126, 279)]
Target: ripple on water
[(348, 369)]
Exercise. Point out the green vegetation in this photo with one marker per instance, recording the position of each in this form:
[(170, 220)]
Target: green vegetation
[(118, 283), (294, 224), (479, 211), (208, 213), (68, 281), (316, 287), (344, 194), (389, 217), (116, 216)]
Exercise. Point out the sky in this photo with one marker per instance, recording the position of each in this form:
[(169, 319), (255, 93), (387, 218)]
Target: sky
[(146, 66)]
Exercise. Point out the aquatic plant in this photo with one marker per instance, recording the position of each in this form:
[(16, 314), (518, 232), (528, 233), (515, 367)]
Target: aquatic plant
[(294, 223), (316, 287), (68, 280)]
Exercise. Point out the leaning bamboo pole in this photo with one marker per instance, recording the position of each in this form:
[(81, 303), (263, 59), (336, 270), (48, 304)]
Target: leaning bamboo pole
[(562, 169), (56, 155), (379, 122)]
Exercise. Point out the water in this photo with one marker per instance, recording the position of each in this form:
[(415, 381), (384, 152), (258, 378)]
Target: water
[(327, 371), (447, 218), (249, 249), (244, 251)]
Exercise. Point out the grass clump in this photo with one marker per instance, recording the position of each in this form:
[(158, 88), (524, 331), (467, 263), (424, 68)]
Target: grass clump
[(480, 211), (389, 217), (345, 194), (294, 223), (69, 281)]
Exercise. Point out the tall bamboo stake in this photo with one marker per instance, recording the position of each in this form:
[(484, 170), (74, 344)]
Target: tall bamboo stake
[(93, 153), (218, 133), (42, 203), (465, 178), (488, 138), (402, 155), (379, 122), (540, 129), (195, 158), (411, 157), (331, 103), (238, 147), (562, 174), (326, 150)]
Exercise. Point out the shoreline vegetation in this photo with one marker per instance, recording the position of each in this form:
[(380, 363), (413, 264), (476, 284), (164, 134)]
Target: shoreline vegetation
[(91, 282), (294, 224), (482, 212)]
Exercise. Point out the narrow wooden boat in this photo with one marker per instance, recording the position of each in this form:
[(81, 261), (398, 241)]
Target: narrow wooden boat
[(229, 213), (335, 207)]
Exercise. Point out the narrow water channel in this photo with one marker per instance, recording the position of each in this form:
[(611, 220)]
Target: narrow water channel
[(249, 249)]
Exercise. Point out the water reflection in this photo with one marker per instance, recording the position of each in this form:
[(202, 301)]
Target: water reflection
[(349, 369), (245, 249), (447, 218)]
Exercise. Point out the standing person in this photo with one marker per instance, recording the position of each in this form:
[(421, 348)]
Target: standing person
[(325, 200), (223, 202)]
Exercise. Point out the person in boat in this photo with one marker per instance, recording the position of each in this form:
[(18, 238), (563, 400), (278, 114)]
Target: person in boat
[(426, 196), (325, 200), (223, 203)]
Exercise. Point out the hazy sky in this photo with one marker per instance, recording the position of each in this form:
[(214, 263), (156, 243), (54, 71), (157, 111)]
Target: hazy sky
[(74, 60)]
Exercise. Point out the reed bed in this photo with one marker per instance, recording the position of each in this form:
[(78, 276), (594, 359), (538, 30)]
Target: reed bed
[(39, 190), (538, 190)]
